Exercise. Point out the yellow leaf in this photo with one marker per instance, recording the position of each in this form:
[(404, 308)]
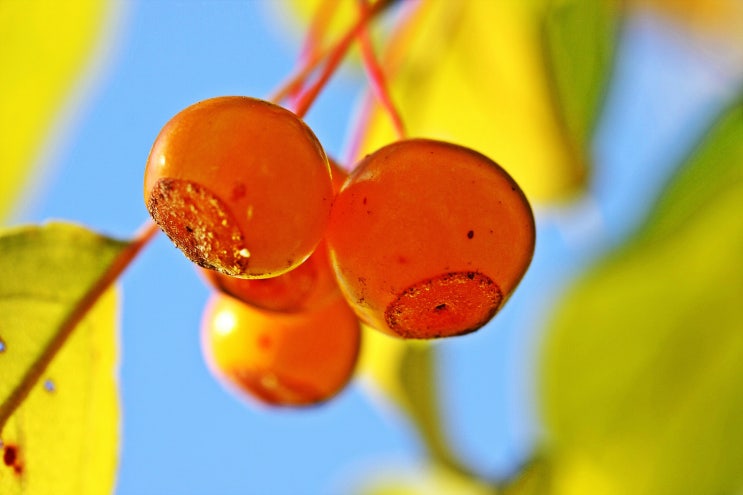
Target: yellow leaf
[(45, 46), (58, 395), (473, 73), (66, 432), (379, 364), (430, 480), (403, 372)]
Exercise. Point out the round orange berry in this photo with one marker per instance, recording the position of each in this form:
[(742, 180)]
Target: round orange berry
[(281, 359), (428, 239), (240, 185)]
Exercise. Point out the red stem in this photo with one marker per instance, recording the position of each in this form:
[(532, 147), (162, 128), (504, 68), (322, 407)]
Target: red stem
[(312, 44), (363, 114), (377, 78), (335, 56)]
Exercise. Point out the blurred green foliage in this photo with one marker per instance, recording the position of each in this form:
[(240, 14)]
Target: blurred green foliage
[(643, 361)]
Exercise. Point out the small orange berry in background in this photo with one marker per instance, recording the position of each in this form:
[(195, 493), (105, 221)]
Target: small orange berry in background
[(307, 286), (310, 285), (281, 359), (240, 185), (428, 239)]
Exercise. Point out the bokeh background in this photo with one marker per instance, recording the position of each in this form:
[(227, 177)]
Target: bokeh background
[(182, 433)]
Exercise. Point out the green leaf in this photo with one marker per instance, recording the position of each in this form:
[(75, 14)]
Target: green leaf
[(579, 40), (533, 478), (58, 395), (643, 363), (715, 168)]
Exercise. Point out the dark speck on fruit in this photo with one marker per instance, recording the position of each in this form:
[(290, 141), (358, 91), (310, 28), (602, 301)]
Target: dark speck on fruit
[(238, 191)]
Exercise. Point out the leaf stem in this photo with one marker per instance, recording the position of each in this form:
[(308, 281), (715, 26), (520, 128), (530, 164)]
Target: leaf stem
[(76, 315)]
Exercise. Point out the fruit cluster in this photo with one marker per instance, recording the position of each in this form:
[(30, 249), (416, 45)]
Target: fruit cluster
[(424, 239)]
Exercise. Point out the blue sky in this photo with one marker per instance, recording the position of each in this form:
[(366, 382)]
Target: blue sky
[(182, 432)]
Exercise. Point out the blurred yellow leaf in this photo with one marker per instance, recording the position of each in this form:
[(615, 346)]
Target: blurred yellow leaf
[(643, 362), (58, 396), (404, 371), (434, 480), (475, 73), (44, 48), (379, 364)]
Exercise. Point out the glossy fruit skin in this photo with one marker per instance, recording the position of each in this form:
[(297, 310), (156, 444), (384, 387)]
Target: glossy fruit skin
[(240, 185), (310, 285), (281, 359), (428, 239)]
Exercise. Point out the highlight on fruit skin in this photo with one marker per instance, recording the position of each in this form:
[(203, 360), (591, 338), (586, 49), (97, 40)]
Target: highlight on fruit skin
[(278, 359), (429, 239), (310, 285), (240, 185)]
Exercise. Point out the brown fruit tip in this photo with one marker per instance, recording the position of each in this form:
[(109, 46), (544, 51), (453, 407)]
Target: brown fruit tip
[(450, 304), (199, 225)]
